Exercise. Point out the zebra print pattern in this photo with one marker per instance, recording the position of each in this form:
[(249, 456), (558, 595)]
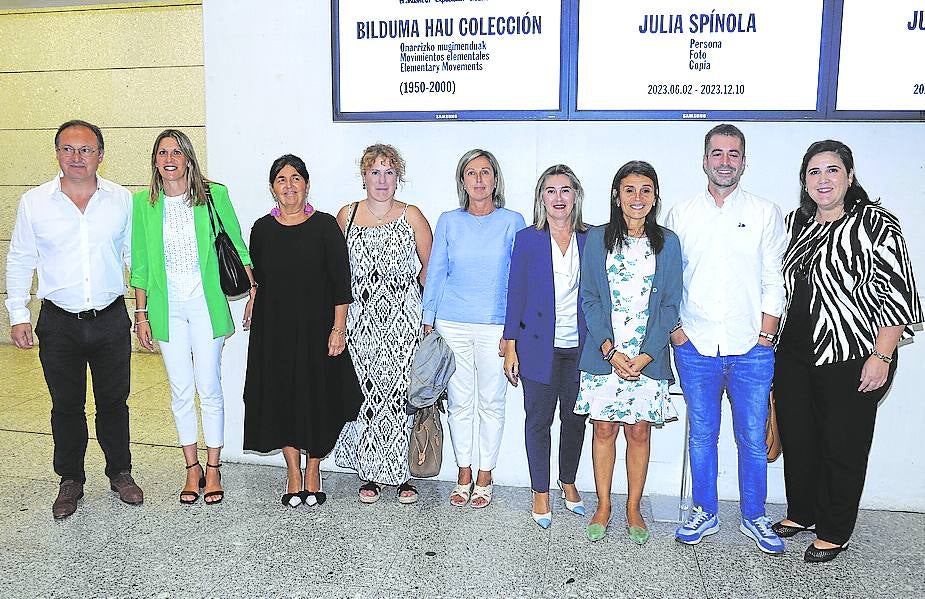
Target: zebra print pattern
[(860, 279)]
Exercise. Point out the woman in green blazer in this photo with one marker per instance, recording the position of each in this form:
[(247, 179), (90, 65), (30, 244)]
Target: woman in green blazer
[(179, 301)]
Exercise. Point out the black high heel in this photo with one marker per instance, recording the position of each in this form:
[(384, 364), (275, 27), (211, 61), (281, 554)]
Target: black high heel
[(219, 494), (193, 494)]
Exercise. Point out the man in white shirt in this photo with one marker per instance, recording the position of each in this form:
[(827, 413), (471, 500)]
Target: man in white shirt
[(75, 231), (732, 244)]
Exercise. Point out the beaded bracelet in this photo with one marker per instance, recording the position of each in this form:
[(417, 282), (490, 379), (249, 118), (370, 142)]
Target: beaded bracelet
[(341, 332), (609, 355)]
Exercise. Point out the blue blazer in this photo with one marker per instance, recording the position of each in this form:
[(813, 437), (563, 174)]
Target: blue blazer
[(664, 303), (531, 296)]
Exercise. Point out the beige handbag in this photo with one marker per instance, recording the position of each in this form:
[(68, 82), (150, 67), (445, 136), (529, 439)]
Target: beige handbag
[(425, 447), (771, 435)]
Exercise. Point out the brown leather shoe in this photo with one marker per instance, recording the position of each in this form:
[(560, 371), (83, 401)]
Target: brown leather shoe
[(66, 503), (125, 486)]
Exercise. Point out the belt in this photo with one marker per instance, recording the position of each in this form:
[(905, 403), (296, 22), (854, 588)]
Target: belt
[(86, 314)]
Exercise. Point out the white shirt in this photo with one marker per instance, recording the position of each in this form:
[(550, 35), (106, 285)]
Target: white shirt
[(80, 257), (181, 254), (565, 268), (732, 269)]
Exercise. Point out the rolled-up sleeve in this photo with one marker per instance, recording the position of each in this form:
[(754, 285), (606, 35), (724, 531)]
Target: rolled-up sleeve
[(773, 246)]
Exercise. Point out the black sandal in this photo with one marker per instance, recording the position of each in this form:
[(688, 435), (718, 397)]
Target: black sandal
[(370, 486), (193, 494), (219, 494), (407, 499)]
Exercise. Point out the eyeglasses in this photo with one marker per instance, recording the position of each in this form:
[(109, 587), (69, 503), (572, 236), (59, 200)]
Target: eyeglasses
[(85, 151)]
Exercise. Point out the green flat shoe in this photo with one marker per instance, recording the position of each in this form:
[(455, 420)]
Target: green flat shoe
[(596, 532), (638, 535)]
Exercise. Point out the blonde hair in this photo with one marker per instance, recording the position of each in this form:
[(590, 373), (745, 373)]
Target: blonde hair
[(539, 208), (197, 186), (390, 153)]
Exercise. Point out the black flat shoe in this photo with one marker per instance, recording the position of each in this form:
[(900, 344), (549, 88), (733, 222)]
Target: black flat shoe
[(785, 531), (816, 555), (219, 495), (294, 499)]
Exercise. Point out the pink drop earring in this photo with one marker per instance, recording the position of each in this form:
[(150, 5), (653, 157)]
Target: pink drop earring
[(308, 208)]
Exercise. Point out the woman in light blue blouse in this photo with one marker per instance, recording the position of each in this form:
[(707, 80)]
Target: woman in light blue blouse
[(465, 300)]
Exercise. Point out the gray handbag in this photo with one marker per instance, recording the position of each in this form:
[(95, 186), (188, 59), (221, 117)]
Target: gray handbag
[(425, 447)]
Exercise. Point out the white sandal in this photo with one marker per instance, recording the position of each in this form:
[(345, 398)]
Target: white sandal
[(463, 491), (481, 493)]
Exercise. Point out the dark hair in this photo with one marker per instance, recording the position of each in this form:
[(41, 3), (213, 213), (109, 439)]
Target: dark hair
[(616, 231), (80, 123), (855, 196), (724, 129), (288, 160)]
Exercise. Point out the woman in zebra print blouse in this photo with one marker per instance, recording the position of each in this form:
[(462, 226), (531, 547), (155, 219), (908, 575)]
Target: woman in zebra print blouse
[(851, 298)]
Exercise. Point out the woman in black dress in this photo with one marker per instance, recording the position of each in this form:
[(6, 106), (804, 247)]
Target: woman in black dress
[(300, 387)]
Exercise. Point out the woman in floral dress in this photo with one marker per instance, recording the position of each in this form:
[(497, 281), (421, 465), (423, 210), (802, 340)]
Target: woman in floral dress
[(631, 285)]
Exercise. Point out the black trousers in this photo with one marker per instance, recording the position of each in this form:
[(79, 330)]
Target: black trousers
[(826, 429), (66, 347)]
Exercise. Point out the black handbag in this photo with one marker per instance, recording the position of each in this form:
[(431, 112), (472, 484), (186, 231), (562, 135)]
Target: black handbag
[(231, 273)]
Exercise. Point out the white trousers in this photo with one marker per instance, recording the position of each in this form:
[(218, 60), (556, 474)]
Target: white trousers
[(477, 387), (193, 360)]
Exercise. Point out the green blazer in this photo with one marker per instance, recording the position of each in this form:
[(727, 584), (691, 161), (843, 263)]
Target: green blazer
[(149, 271)]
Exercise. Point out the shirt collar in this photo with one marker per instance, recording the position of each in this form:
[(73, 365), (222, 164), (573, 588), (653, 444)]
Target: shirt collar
[(731, 199), (101, 183)]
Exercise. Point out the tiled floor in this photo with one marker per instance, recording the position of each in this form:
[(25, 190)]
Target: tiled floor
[(251, 546)]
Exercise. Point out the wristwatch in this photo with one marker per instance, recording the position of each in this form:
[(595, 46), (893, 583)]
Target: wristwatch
[(771, 337)]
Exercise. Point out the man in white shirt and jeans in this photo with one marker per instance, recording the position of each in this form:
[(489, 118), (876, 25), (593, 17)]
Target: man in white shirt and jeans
[(732, 244), (75, 231)]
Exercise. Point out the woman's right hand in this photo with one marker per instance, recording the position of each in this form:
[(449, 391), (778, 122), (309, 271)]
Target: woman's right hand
[(511, 363), (622, 366), (248, 313), (143, 330)]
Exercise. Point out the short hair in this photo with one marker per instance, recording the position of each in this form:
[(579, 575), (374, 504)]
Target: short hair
[(497, 194), (197, 189), (288, 160), (388, 152), (539, 207), (616, 231), (85, 124), (724, 129), (854, 196)]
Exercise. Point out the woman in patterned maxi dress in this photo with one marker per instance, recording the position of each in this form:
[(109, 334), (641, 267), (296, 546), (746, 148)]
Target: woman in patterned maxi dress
[(631, 285), (386, 240)]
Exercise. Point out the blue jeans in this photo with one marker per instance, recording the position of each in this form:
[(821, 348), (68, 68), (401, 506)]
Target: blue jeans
[(747, 381)]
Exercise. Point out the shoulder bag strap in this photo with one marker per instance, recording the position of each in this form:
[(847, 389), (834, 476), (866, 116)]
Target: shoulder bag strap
[(353, 211), (213, 216)]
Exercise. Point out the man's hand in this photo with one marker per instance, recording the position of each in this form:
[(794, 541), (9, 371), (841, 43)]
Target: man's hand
[(21, 334)]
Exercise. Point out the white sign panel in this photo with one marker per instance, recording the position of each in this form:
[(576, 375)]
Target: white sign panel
[(747, 55), (882, 62), (397, 56)]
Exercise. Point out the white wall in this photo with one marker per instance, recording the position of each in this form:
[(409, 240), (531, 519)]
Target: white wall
[(268, 92)]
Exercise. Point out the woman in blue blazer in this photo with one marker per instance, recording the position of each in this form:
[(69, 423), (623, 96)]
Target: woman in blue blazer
[(631, 290), (544, 330)]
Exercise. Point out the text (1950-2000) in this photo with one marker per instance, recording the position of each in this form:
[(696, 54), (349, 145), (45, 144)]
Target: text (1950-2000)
[(427, 87), (688, 89)]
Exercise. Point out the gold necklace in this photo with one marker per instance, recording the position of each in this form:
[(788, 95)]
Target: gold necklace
[(376, 216)]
